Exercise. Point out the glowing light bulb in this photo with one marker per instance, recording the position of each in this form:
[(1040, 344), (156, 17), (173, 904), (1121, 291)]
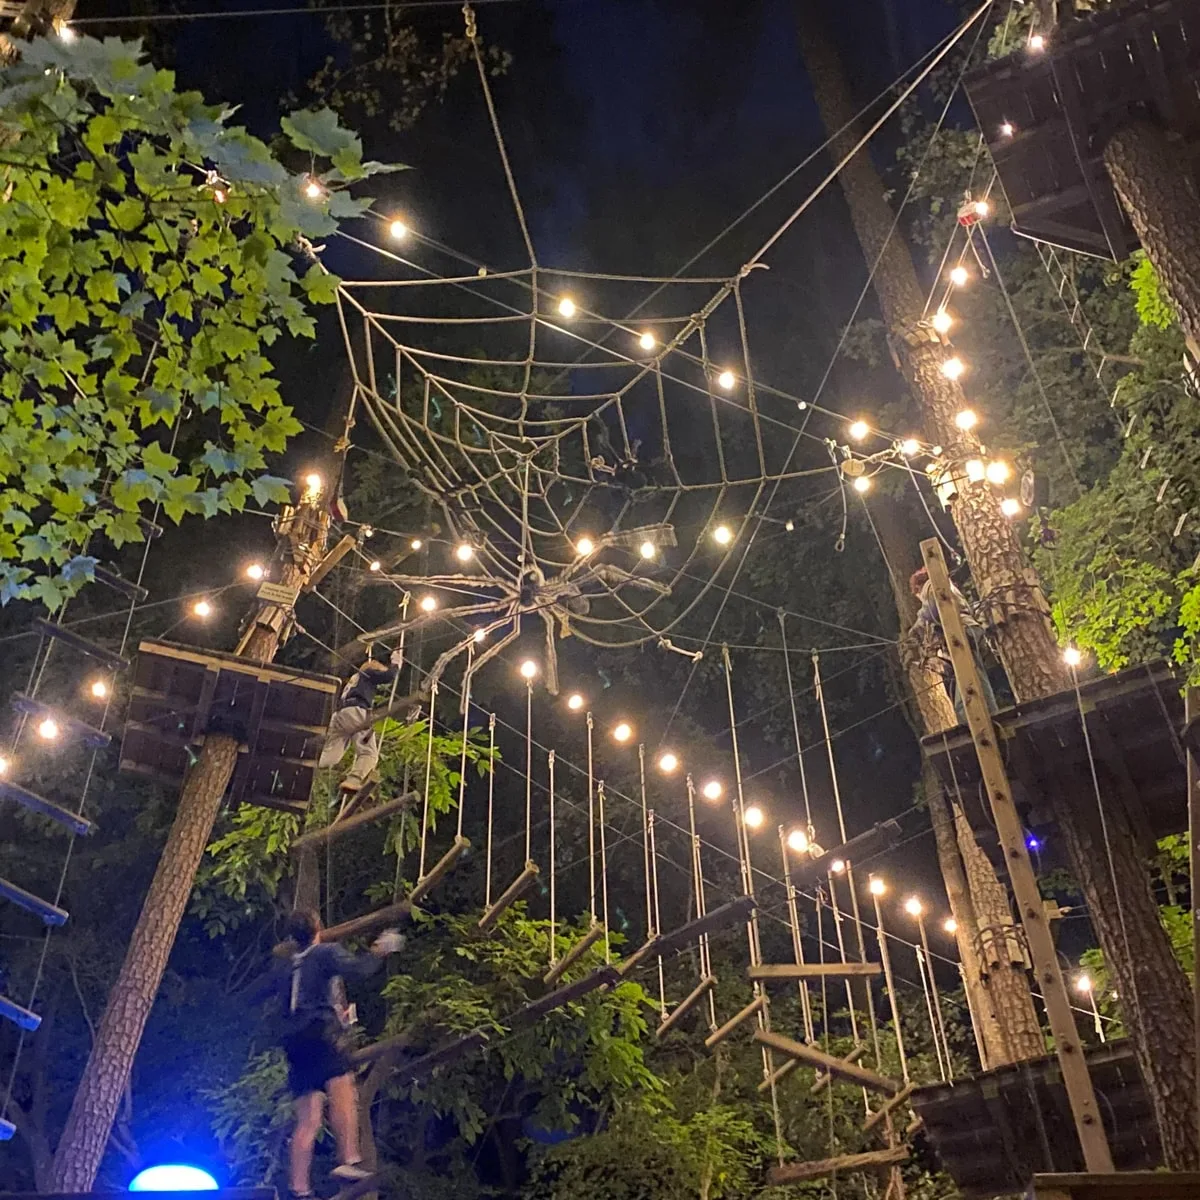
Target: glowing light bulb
[(668, 762), (859, 430), (797, 841), (1072, 656), (1037, 43), (623, 732), (838, 866), (950, 925), (862, 484), (313, 482), (66, 34), (575, 702), (959, 276), (909, 447), (219, 195), (202, 609), (464, 553), (566, 307), (943, 322), (953, 368), (966, 420), (790, 525), (428, 603), (712, 790), (647, 342), (313, 190), (374, 565), (998, 471), (48, 729), (975, 470), (4, 764), (648, 550), (528, 669), (726, 380), (877, 887), (415, 544), (1010, 507), (913, 906), (584, 547), (1083, 984), (754, 816), (1007, 129), (255, 571), (982, 208), (398, 230), (722, 535), (480, 635), (99, 689)]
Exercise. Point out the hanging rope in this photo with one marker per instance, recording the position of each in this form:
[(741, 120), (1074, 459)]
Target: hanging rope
[(938, 1028), (462, 764), (553, 880), (487, 887), (591, 794), (933, 1029), (705, 955), (529, 770), (650, 927), (604, 870), (662, 983), (433, 693), (787, 664), (797, 943)]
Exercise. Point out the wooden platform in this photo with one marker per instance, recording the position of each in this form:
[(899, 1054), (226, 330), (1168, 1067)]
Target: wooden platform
[(180, 694), (1132, 1185), (1134, 718), (1138, 57), (994, 1132)]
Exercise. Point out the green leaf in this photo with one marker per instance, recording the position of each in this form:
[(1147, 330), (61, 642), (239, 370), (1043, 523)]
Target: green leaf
[(270, 489), (320, 132)]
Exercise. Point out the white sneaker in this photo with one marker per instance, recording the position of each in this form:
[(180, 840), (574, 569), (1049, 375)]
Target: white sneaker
[(351, 1172)]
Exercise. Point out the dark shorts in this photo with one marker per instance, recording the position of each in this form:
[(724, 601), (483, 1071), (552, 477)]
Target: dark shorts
[(314, 1057)]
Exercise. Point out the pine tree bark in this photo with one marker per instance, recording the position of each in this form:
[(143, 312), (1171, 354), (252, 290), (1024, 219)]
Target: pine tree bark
[(85, 1136), (1014, 605), (1160, 195)]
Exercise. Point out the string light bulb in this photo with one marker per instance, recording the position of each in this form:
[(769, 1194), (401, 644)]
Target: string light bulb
[(910, 447), (953, 368), (754, 817), (1037, 43), (428, 603), (1072, 656), (1007, 129), (48, 729), (859, 430), (797, 841), (202, 609), (464, 553), (648, 550), (313, 483), (623, 732), (255, 571), (998, 471), (584, 547), (646, 341), (374, 565), (99, 689), (1010, 506), (1083, 984), (913, 906), (722, 535), (862, 484), (3, 765), (976, 472), (960, 276), (943, 322), (838, 866), (668, 762), (480, 635), (66, 34), (415, 544), (876, 887), (528, 669), (950, 925), (398, 230), (219, 195), (726, 380), (966, 420), (313, 190), (566, 307), (712, 790), (982, 208), (575, 702)]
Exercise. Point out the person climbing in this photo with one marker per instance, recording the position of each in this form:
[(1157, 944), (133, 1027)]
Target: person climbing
[(351, 723), (930, 623), (308, 984)]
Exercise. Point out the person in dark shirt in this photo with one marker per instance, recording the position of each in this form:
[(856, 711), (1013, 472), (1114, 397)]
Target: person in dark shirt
[(308, 987), (351, 723)]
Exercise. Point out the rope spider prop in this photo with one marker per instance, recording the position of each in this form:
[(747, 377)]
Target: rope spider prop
[(555, 599)]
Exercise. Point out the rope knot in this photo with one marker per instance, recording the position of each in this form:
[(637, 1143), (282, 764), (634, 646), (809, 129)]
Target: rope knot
[(469, 17)]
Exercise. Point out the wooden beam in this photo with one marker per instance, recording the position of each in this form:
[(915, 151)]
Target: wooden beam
[(318, 837), (824, 1079), (50, 914), (719, 1035), (420, 1067), (733, 913), (331, 560), (569, 992), (441, 869), (89, 735), (780, 1073), (18, 1014), (888, 1107), (1127, 1185), (81, 645), (686, 1005), (509, 897), (573, 955), (872, 1160), (383, 1048), (46, 808), (849, 970), (381, 918), (839, 1068)]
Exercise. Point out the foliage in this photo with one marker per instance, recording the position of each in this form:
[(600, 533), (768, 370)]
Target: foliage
[(152, 254), (1153, 308), (252, 1117)]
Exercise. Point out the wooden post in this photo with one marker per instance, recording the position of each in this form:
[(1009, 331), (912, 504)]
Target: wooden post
[(1191, 711), (1068, 1049)]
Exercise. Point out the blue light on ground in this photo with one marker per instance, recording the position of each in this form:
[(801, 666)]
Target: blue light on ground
[(173, 1177)]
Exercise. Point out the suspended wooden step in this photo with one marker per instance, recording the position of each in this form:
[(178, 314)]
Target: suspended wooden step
[(719, 1035), (331, 560), (354, 798), (46, 808), (18, 1014), (735, 912), (872, 1160), (49, 913), (780, 1073), (824, 1079), (383, 1048), (839, 1068), (888, 1107), (418, 1068), (120, 584), (849, 970), (7, 1130), (441, 869), (320, 837), (509, 897), (686, 1005), (81, 731), (370, 922), (279, 716), (81, 645), (360, 1187), (569, 992), (573, 955), (864, 845)]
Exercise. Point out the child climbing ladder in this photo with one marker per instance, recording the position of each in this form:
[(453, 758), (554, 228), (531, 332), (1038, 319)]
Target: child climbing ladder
[(351, 723)]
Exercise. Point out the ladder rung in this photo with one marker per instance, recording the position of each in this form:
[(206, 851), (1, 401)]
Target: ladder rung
[(887, 1107), (732, 913), (824, 1079), (509, 896), (7, 1129), (836, 1067), (420, 1067), (719, 1035), (120, 584), (18, 1014), (686, 1005), (836, 970), (62, 634), (441, 869), (569, 992), (49, 913), (93, 738), (573, 955), (780, 1073), (46, 808), (368, 816)]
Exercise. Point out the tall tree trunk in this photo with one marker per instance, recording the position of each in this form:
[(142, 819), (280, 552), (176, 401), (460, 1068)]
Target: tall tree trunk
[(1151, 176), (89, 1124), (1017, 612)]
